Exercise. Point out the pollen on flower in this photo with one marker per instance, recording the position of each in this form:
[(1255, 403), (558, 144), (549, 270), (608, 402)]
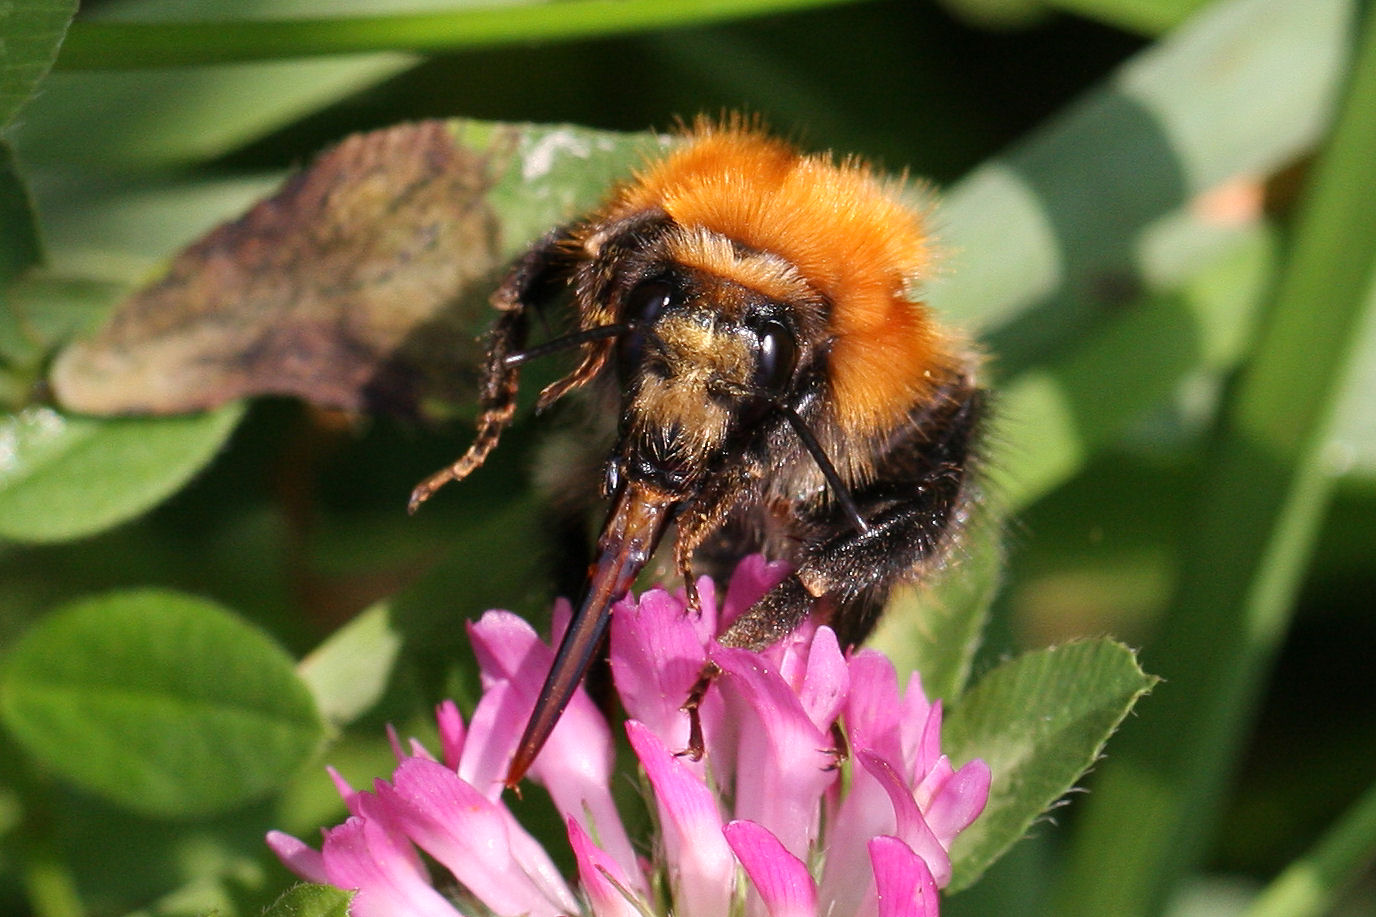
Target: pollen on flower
[(740, 831)]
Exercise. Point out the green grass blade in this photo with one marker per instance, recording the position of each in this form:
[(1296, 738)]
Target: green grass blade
[(127, 45), (1262, 500), (1053, 419), (1309, 885), (1042, 237), (1150, 17), (93, 124)]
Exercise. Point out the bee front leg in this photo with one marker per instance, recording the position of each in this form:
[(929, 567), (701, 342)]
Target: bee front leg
[(704, 516), (530, 283)]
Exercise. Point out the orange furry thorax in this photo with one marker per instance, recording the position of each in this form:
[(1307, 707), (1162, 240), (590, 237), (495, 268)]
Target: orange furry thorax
[(846, 234)]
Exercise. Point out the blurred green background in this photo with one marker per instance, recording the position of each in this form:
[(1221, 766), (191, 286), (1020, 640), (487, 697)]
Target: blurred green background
[(138, 142)]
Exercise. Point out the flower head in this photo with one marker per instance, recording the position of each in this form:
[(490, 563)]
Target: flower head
[(762, 824)]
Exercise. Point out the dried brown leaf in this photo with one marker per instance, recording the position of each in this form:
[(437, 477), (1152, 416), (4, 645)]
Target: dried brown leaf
[(359, 285)]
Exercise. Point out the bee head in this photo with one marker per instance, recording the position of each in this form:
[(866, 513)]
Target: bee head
[(705, 362)]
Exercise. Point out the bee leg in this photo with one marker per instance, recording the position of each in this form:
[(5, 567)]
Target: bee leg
[(692, 600), (847, 579), (602, 256), (776, 615), (703, 517), (531, 282), (696, 746), (913, 512)]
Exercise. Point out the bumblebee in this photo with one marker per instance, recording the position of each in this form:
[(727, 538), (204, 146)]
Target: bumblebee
[(780, 384)]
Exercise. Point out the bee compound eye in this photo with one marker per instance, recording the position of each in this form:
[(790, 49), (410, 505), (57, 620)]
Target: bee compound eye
[(777, 357), (644, 304)]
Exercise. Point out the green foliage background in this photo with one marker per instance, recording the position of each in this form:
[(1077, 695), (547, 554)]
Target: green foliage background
[(1186, 447)]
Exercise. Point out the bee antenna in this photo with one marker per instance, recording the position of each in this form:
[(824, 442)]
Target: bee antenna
[(567, 342), (814, 449)]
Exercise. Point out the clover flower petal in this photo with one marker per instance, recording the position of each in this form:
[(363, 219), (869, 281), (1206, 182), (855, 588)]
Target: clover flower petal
[(606, 886), (782, 881), (762, 824), (701, 870), (904, 886), (477, 846), (784, 762), (657, 652), (575, 765), (389, 879)]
